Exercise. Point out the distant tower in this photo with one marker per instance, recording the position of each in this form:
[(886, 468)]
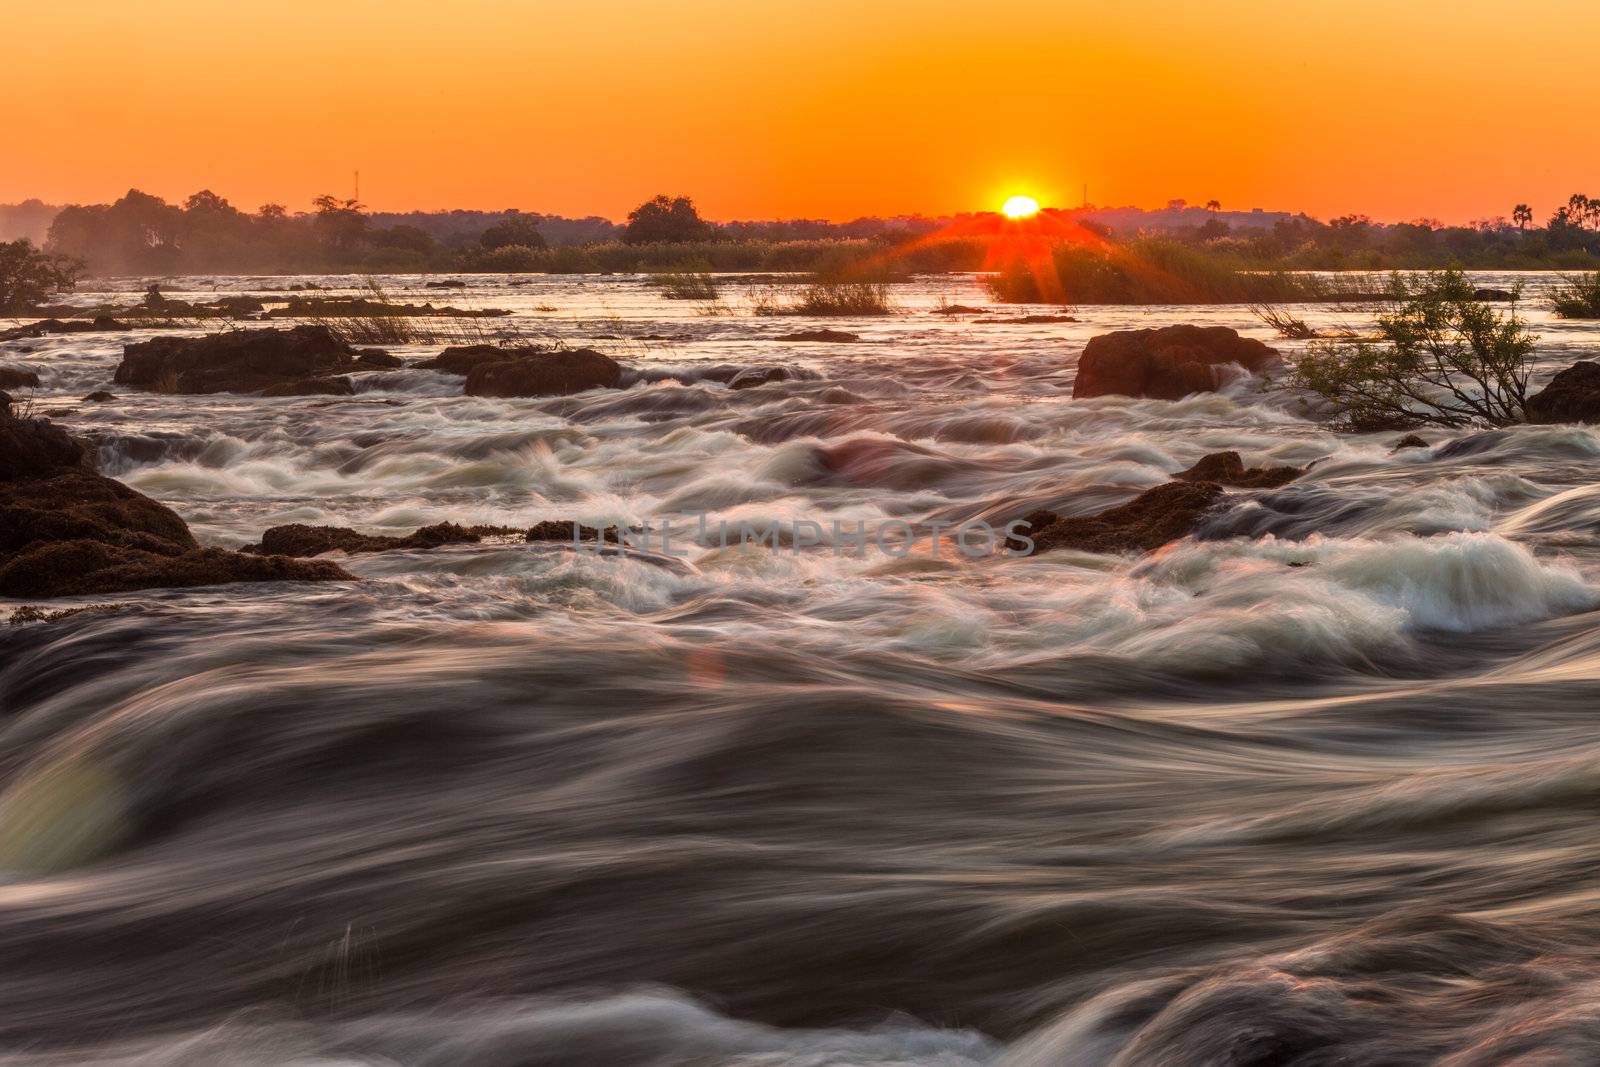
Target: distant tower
[(358, 187)]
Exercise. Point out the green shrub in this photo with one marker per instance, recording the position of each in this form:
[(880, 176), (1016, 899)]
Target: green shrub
[(1578, 298), (1444, 359)]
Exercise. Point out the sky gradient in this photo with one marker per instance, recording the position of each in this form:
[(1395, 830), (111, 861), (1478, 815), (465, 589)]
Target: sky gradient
[(823, 108)]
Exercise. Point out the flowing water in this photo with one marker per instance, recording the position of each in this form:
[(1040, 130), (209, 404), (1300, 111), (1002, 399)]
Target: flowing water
[(1319, 787)]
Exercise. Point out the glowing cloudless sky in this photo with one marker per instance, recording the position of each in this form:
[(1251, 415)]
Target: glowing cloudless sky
[(820, 108)]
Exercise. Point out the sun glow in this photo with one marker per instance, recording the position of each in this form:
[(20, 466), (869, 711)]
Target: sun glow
[(1020, 207)]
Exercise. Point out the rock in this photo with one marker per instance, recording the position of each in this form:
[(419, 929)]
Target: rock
[(99, 396), (959, 309), (18, 378), (361, 307), (298, 539), (1168, 363), (449, 284), (1410, 440), (557, 373), (460, 359), (1493, 294), (751, 377), (100, 324), (1031, 320), (1226, 468), (238, 361), (1145, 523), (562, 530), (1571, 396), (66, 530), (837, 337), (5, 403), (334, 386), (378, 359), (236, 306)]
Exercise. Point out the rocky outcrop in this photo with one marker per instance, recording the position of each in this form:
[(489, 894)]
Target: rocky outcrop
[(378, 359), (299, 540), (1167, 363), (460, 359), (553, 373), (239, 361), (836, 337), (1226, 468), (1572, 396), (361, 307), (99, 324), (66, 530), (1153, 518), (560, 530), (18, 378)]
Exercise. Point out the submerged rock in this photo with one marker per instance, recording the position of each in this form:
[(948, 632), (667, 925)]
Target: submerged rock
[(959, 309), (1153, 518), (1572, 396), (1167, 363), (18, 378), (1031, 320), (555, 373), (837, 337), (99, 396), (239, 361), (1410, 440), (298, 539), (1226, 468), (66, 530), (337, 385)]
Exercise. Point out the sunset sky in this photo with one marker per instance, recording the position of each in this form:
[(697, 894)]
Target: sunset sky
[(821, 108)]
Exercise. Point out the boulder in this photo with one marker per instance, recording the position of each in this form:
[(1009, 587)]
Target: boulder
[(1226, 468), (18, 378), (298, 539), (100, 324), (1410, 440), (1572, 396), (557, 373), (99, 396), (460, 359), (66, 530), (1493, 294), (750, 377), (238, 361), (378, 359), (837, 337), (1153, 518), (1168, 363), (561, 530)]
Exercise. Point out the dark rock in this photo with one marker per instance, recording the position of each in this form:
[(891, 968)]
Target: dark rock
[(460, 359), (1493, 294), (66, 531), (751, 377), (17, 378), (99, 396), (1226, 468), (1572, 396), (959, 309), (361, 307), (449, 284), (239, 361), (1031, 320), (298, 539), (559, 530), (334, 386), (236, 306), (100, 324), (5, 403), (1153, 518), (378, 359), (556, 373), (1410, 440), (837, 337), (1168, 363)]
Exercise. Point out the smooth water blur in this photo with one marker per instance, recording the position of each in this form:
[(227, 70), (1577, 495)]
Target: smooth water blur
[(1313, 788)]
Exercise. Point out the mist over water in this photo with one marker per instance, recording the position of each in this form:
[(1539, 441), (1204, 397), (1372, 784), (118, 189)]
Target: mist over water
[(1315, 787)]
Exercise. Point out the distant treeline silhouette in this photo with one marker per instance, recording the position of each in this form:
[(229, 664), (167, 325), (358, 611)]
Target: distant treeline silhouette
[(141, 234)]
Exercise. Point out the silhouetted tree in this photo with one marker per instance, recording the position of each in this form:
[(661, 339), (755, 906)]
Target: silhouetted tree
[(513, 231), (341, 221), (28, 275), (1213, 205), (665, 220), (1522, 214)]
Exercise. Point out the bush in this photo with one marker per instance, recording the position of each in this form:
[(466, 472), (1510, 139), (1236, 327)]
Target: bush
[(690, 280), (1578, 298), (28, 276), (1445, 359)]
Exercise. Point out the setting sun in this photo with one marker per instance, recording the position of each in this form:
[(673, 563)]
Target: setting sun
[(1020, 207)]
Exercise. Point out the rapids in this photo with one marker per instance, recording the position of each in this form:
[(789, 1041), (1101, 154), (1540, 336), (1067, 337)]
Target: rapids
[(1311, 788)]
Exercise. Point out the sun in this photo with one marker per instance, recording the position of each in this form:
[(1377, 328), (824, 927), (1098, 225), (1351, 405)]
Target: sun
[(1020, 207)]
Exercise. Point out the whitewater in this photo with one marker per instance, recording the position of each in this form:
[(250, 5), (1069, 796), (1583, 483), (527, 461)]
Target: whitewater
[(1311, 787)]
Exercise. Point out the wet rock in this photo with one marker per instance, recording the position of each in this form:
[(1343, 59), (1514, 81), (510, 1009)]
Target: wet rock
[(299, 540), (1226, 468), (18, 378), (66, 530), (837, 337), (448, 284), (1410, 440), (557, 373), (959, 309), (378, 359), (99, 324), (99, 396), (751, 377), (1572, 396), (239, 361), (361, 307), (1031, 320), (1153, 518), (1493, 294), (562, 530), (1168, 363), (334, 386), (460, 359)]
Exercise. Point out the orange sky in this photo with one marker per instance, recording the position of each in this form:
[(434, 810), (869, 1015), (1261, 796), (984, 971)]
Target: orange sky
[(820, 108)]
